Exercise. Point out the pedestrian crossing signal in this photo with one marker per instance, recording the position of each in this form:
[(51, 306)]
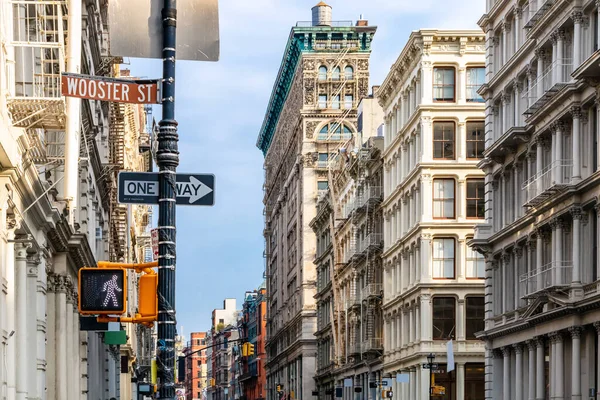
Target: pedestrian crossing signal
[(102, 291)]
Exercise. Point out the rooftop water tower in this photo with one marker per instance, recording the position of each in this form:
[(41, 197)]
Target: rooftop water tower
[(321, 15)]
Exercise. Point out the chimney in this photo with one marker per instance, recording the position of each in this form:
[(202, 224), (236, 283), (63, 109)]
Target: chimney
[(361, 21)]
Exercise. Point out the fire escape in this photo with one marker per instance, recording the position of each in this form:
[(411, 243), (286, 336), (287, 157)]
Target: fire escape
[(118, 212)]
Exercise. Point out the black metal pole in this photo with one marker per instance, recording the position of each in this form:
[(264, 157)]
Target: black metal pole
[(167, 158), (430, 386)]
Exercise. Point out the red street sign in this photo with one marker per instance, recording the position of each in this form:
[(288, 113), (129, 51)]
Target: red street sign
[(155, 243), (110, 89)]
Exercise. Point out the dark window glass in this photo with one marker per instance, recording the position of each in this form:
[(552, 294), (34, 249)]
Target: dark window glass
[(444, 318), (443, 140), (443, 84), (475, 381), (475, 314), (475, 198), (475, 139)]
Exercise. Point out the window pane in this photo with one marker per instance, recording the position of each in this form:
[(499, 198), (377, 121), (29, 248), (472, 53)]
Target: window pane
[(443, 258), (322, 101), (443, 198), (475, 139), (335, 104), (335, 74), (348, 100), (475, 314), (475, 78), (475, 198), (443, 318), (322, 73), (443, 140), (322, 185), (348, 71), (475, 264), (443, 84)]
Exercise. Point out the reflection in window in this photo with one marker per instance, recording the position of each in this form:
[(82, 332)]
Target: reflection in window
[(335, 103), (443, 258), (475, 139), (348, 72), (475, 264), (443, 84), (335, 74), (443, 198), (475, 78), (334, 131), (444, 318), (322, 101), (443, 140), (322, 73), (475, 198), (348, 101)]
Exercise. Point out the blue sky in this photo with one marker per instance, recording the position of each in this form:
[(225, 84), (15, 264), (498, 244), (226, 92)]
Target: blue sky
[(220, 108)]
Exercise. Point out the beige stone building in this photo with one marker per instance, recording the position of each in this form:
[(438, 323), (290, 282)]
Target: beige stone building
[(433, 197), (541, 234), (312, 110)]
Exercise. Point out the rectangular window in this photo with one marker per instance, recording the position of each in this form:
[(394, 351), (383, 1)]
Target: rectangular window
[(475, 198), (335, 104), (348, 101), (444, 318), (443, 258), (322, 101), (475, 79), (475, 312), (443, 198), (443, 140), (475, 264), (443, 84), (475, 139), (322, 186)]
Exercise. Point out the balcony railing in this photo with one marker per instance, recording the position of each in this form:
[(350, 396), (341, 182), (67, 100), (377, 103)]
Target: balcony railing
[(335, 44), (536, 14), (553, 178), (371, 243), (333, 136), (553, 275), (373, 344), (348, 209), (372, 290), (349, 253), (554, 77), (353, 300), (370, 194)]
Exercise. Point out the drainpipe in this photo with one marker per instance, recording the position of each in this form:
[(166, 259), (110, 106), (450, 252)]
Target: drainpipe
[(73, 109)]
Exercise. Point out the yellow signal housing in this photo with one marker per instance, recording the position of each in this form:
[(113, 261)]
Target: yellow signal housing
[(212, 381), (249, 349), (244, 349), (148, 301)]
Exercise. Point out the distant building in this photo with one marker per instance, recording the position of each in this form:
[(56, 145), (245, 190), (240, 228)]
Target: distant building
[(219, 352), (252, 327), (196, 367), (312, 112)]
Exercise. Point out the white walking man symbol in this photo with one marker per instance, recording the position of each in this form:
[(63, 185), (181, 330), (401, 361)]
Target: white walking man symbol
[(110, 287)]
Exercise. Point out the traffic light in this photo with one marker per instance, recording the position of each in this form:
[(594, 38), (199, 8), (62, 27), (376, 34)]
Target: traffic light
[(212, 381), (279, 388), (102, 291), (244, 350), (148, 299), (249, 349)]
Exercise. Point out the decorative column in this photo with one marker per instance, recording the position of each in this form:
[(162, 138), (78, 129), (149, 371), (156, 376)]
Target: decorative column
[(539, 247), (43, 312), (504, 190), (531, 250), (505, 32), (427, 139), (489, 294), (425, 258), (427, 191), (558, 266), (576, 113), (461, 196), (540, 385), (518, 371), (425, 310), (32, 327), (61, 337), (518, 253), (539, 150), (71, 362), (518, 202), (21, 366), (558, 157), (540, 53), (577, 17), (506, 374), (462, 85), (505, 284), (517, 18), (577, 216), (460, 323), (405, 273), (505, 113), (555, 61), (77, 349), (531, 345), (560, 55), (575, 362), (517, 88), (559, 366)]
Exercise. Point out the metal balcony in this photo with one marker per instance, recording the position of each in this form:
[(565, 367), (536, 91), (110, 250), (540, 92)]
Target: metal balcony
[(550, 277), (354, 348), (372, 290), (371, 196), (349, 253), (536, 15), (373, 344), (371, 243), (348, 209), (353, 301), (554, 78), (554, 178)]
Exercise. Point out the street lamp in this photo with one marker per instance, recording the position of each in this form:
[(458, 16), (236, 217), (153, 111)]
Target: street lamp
[(430, 359)]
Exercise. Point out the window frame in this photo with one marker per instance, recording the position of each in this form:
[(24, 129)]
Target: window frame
[(478, 99), (443, 199), (433, 318), (482, 141), (433, 259), (336, 74), (442, 86), (477, 199), (320, 76), (475, 260), (351, 104), (434, 141), (320, 104), (351, 75), (336, 102), (470, 314)]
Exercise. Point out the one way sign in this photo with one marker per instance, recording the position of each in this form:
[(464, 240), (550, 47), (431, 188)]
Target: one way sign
[(142, 188)]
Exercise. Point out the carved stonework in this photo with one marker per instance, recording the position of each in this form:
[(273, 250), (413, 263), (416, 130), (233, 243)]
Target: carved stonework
[(308, 65), (310, 129), (363, 65), (363, 88), (309, 91)]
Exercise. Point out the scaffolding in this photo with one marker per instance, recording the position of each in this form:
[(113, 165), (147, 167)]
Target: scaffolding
[(39, 35)]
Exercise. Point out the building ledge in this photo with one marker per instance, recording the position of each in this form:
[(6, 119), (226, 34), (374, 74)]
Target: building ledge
[(590, 69), (509, 140)]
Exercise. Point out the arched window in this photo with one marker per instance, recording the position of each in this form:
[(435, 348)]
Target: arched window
[(348, 72), (334, 131), (322, 73), (335, 74)]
